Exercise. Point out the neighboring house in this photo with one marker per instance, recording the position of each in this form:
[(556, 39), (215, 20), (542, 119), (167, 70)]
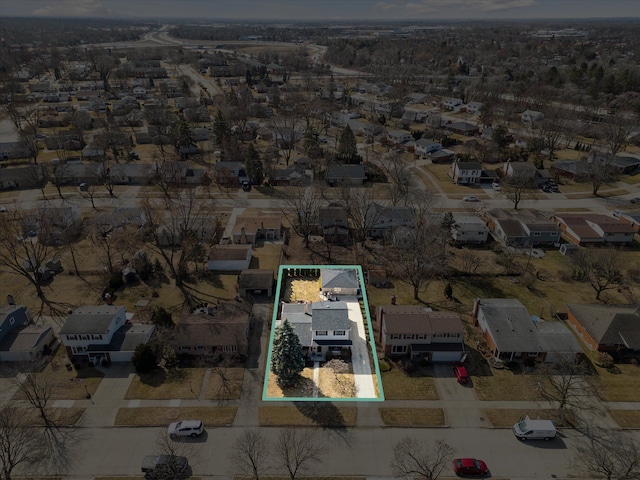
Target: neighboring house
[(443, 155), (464, 128), (531, 116), (255, 282), (292, 175), (572, 169), (31, 176), (523, 227), (54, 224), (222, 329), (398, 137), (334, 223), (523, 170), (229, 174), (384, 220), (339, 282), (345, 175), (424, 147), (102, 333), (20, 339), (464, 173), (621, 164), (632, 218), (248, 229), (321, 327), (594, 229), (513, 334), (452, 103), (607, 328), (72, 173), (229, 258), (474, 107), (469, 230), (420, 333), (131, 174)]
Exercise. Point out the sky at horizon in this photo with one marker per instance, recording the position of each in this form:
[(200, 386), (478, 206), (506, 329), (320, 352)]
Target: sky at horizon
[(331, 10)]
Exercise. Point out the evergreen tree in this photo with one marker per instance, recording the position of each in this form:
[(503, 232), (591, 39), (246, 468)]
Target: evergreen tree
[(311, 142), (221, 128), (253, 162), (347, 149), (287, 360), (447, 224)]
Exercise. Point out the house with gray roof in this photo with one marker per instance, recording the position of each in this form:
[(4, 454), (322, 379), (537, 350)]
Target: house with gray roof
[(465, 173), (469, 230), (339, 281), (420, 333), (523, 227), (20, 339), (513, 334), (321, 327), (345, 175), (607, 328), (102, 333), (384, 220)]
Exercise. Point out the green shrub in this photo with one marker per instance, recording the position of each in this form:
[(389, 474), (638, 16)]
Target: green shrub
[(384, 366)]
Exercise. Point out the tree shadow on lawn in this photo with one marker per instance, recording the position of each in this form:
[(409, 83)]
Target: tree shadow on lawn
[(160, 376), (324, 414)]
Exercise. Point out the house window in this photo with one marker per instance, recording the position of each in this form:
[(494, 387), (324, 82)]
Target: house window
[(199, 347), (399, 349), (421, 336), (439, 335), (339, 333), (229, 348), (533, 354), (394, 336), (71, 337), (184, 348), (321, 333), (536, 234)]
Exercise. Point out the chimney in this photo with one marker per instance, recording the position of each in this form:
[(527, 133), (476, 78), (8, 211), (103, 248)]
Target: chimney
[(393, 299), (10, 299)]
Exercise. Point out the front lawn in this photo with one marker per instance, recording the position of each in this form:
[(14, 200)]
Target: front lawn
[(163, 416), (167, 384), (412, 417), (398, 385)]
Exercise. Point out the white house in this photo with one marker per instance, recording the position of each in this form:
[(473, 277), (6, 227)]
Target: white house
[(425, 147), (465, 172), (474, 107), (531, 116), (452, 103), (469, 229), (398, 137), (102, 333)]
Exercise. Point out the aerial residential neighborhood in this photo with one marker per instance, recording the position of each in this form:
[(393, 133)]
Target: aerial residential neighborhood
[(341, 249)]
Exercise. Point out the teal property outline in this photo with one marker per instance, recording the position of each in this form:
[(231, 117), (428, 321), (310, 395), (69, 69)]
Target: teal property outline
[(276, 305)]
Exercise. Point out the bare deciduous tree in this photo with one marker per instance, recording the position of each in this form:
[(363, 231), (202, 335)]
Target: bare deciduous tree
[(297, 451), (601, 268), (251, 454), (20, 443), (301, 206), (471, 261), (609, 454), (37, 389), (517, 188), (341, 376), (413, 457)]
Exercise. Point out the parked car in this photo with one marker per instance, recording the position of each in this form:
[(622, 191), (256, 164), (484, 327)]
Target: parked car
[(186, 428), (158, 467), (527, 429), (615, 213), (470, 198), (496, 186), (461, 373), (469, 466)]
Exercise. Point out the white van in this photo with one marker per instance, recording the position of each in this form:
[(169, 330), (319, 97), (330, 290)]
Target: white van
[(527, 429)]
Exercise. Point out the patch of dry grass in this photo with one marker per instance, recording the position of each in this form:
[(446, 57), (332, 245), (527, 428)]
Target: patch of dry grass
[(626, 418), (504, 385), (230, 389), (301, 289), (161, 384), (412, 417), (622, 386), (397, 385), (163, 416), (308, 414), (65, 417)]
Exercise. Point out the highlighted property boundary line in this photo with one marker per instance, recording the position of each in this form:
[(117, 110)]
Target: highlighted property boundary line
[(372, 345)]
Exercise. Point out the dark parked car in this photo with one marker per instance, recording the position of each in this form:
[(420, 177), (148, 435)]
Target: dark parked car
[(469, 466)]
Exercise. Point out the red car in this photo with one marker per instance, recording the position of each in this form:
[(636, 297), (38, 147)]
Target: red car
[(469, 466), (461, 373)]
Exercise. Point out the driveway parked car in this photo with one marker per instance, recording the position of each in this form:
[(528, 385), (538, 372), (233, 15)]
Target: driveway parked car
[(469, 466), (470, 198), (461, 373), (496, 186), (186, 428)]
